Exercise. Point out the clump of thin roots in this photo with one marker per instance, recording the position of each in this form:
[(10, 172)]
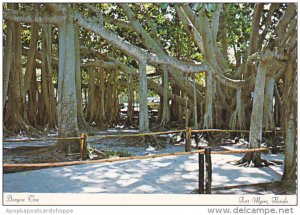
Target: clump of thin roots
[(146, 141), (253, 160)]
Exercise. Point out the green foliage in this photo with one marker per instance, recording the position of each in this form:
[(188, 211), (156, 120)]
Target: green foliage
[(239, 21), (164, 6), (197, 6), (209, 7)]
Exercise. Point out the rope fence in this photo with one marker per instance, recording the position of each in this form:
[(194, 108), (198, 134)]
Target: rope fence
[(138, 134), (233, 131), (71, 163), (83, 138), (135, 135), (40, 139), (204, 162)]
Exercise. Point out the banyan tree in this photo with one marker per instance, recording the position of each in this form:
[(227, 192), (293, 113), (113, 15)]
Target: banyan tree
[(227, 66)]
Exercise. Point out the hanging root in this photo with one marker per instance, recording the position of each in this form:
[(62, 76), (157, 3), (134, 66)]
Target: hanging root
[(233, 121)]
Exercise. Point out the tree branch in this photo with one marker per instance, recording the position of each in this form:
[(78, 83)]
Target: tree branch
[(33, 16), (121, 43), (189, 27), (258, 9), (286, 18), (267, 24)]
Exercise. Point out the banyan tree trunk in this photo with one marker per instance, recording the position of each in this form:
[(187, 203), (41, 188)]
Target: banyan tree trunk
[(7, 59), (129, 119), (67, 99), (195, 110), (143, 112), (268, 104), (256, 127), (111, 103), (33, 96), (13, 119), (165, 106), (238, 117), (102, 117), (290, 158), (209, 97), (289, 123), (81, 121), (47, 81), (91, 103), (175, 111)]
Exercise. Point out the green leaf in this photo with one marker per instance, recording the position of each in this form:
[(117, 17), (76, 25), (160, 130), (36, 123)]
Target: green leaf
[(210, 7), (197, 6), (164, 6), (213, 6)]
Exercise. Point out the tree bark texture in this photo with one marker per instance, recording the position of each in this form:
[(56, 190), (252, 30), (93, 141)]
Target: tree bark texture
[(67, 99), (7, 60), (268, 104), (256, 126), (143, 112), (166, 109)]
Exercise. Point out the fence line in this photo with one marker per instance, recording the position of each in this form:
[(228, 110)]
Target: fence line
[(240, 131), (97, 136), (41, 139), (134, 135), (71, 163), (138, 134), (204, 162)]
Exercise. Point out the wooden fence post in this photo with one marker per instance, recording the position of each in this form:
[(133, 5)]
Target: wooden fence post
[(81, 141), (188, 139), (208, 178), (201, 173), (197, 140), (85, 154)]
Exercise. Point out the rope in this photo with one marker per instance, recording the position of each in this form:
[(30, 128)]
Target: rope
[(240, 151), (41, 139), (137, 135), (241, 131), (60, 164), (131, 135)]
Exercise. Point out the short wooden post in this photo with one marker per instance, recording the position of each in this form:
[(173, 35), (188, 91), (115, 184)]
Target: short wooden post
[(188, 135), (208, 178), (81, 141), (197, 140), (201, 173), (85, 154)]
